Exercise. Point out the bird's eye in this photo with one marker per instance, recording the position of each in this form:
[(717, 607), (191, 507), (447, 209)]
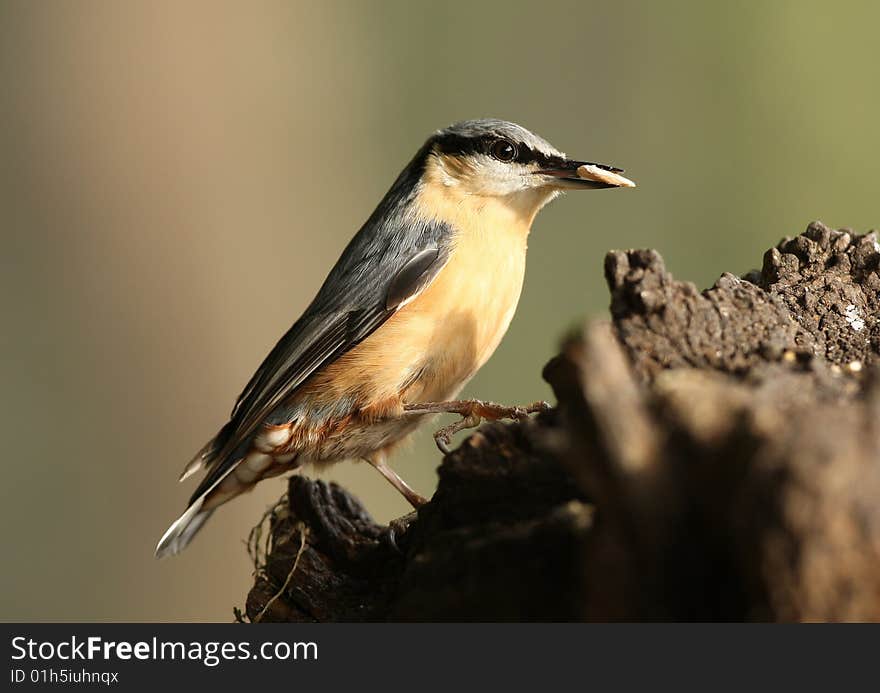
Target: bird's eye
[(503, 150)]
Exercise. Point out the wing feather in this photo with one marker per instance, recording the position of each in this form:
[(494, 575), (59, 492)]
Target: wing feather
[(336, 322), (393, 257)]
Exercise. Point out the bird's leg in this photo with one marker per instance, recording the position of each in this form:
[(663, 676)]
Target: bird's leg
[(472, 412), (378, 461)]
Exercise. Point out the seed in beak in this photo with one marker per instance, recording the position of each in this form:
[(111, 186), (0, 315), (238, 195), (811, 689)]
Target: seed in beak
[(600, 175)]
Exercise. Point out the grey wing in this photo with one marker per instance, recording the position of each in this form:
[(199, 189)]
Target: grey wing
[(366, 287)]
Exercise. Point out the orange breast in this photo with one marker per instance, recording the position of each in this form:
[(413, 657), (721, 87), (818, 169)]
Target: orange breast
[(456, 324), (430, 348)]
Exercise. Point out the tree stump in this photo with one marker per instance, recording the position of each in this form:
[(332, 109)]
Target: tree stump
[(713, 455)]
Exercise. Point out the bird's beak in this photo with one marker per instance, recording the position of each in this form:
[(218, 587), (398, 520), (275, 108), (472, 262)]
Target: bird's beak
[(585, 175)]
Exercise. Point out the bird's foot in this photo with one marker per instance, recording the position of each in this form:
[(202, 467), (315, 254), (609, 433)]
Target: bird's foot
[(472, 412), (397, 529)]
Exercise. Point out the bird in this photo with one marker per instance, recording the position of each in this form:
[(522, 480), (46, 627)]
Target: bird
[(418, 301)]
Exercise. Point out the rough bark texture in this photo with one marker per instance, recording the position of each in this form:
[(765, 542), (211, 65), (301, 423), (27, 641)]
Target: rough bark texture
[(713, 455)]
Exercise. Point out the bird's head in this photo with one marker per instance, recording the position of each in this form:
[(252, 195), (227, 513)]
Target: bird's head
[(499, 159)]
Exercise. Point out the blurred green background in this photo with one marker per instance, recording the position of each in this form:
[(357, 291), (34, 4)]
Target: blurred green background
[(178, 177)]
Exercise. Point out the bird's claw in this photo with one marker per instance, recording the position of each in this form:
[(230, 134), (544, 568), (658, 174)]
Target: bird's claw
[(389, 536), (442, 440), (476, 411), (396, 528)]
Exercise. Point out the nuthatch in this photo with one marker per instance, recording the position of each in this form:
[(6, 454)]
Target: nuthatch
[(416, 304)]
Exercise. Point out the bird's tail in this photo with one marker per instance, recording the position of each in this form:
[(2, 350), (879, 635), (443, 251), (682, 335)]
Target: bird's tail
[(183, 529), (219, 463)]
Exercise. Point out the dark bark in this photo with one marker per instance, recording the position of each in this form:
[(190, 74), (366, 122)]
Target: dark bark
[(713, 455)]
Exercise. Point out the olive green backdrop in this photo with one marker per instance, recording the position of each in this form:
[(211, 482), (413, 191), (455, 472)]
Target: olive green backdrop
[(177, 178)]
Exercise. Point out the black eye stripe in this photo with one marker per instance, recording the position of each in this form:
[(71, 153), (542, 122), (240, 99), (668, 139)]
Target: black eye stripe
[(463, 146), (455, 144)]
